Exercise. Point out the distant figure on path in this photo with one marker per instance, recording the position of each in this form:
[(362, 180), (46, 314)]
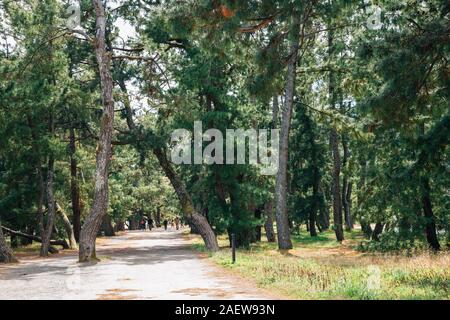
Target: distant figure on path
[(177, 223), (165, 223)]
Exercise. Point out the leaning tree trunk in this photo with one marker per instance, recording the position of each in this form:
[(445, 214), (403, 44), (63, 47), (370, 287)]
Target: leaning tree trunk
[(50, 209), (100, 204), (67, 226), (6, 254), (283, 231), (74, 189), (430, 227), (195, 219), (189, 212)]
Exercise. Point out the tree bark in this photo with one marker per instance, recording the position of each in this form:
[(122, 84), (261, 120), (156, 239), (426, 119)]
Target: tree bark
[(6, 254), (74, 189), (268, 225), (430, 227), (67, 226), (283, 231), (100, 204)]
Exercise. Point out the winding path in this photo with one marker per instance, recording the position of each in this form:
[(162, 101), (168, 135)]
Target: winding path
[(136, 265)]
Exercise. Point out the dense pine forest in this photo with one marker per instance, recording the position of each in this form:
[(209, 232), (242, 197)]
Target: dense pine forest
[(92, 91)]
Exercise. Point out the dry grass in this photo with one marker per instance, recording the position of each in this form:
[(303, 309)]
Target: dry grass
[(321, 268)]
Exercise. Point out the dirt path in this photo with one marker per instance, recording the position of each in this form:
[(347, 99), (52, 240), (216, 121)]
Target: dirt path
[(136, 265)]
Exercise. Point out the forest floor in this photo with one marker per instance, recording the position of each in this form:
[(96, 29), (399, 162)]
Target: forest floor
[(321, 268), (134, 265)]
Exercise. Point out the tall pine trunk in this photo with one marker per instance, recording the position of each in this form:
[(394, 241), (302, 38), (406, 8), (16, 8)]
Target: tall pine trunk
[(6, 254), (268, 209), (100, 204), (74, 189), (334, 144), (346, 186), (314, 207), (40, 176), (268, 225), (283, 231)]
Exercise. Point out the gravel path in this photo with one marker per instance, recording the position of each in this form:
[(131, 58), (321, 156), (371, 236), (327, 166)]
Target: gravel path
[(136, 265)]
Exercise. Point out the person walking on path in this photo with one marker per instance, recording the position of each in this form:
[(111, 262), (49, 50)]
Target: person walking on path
[(165, 223), (177, 223)]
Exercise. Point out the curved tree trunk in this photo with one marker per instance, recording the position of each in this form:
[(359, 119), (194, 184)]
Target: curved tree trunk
[(67, 226), (195, 219), (6, 254), (283, 231), (189, 212), (100, 204)]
